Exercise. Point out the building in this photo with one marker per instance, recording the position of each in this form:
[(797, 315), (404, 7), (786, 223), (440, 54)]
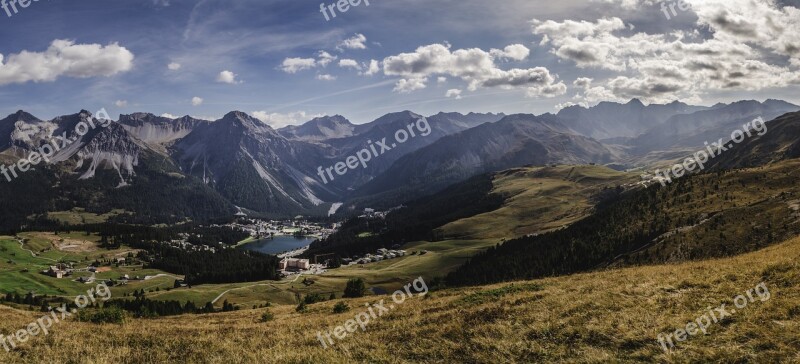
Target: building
[(58, 271), (294, 264)]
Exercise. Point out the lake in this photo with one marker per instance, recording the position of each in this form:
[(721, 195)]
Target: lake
[(278, 245)]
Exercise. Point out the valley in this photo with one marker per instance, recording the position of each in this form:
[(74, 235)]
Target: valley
[(576, 182), (544, 208), (593, 317)]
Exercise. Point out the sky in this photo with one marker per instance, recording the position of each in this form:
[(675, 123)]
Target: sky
[(285, 61)]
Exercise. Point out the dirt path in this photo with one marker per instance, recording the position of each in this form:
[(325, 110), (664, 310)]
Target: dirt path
[(33, 254), (255, 285)]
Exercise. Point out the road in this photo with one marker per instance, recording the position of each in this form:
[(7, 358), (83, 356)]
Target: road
[(254, 285), (33, 254)]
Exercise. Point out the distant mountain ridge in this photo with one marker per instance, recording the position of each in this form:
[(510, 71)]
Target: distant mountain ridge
[(275, 172), (159, 130), (691, 130), (321, 128), (609, 120), (514, 141)]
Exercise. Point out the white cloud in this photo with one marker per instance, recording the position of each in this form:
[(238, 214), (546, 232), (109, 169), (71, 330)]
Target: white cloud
[(547, 90), (197, 101), (65, 58), (349, 63), (748, 45), (407, 85), (373, 68), (121, 103), (441, 80), (174, 66), (583, 82), (568, 104), (227, 77), (453, 93), (475, 66), (294, 65), (326, 77), (325, 58), (168, 115), (516, 52), (355, 42), (278, 120)]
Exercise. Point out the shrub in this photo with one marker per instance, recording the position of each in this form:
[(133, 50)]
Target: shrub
[(313, 298), (106, 315), (341, 307), (355, 288), (267, 316)]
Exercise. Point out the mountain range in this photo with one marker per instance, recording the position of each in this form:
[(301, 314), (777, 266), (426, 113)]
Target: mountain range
[(245, 165)]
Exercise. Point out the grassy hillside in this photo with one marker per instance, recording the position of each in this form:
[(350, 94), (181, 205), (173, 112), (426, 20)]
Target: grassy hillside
[(23, 258), (539, 199), (608, 316), (696, 217)]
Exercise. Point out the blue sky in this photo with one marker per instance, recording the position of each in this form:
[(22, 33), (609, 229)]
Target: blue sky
[(265, 57)]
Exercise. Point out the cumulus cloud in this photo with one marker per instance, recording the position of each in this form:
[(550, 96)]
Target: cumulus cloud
[(294, 65), (453, 92), (278, 120), (325, 58), (326, 77), (357, 41), (349, 63), (407, 85), (567, 104), (475, 66), (516, 52), (583, 83), (65, 58), (371, 69), (197, 101), (168, 115), (227, 77), (174, 66), (121, 103), (743, 48)]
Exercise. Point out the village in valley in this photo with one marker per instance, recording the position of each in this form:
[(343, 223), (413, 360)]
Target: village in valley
[(65, 260)]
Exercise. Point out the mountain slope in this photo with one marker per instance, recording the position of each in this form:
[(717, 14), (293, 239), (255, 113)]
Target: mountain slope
[(502, 205), (253, 165), (320, 129), (695, 217), (596, 317), (22, 131), (540, 199), (515, 141), (158, 131), (780, 141), (106, 168), (436, 126)]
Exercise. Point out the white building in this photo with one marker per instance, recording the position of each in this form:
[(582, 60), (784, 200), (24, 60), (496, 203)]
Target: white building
[(292, 263)]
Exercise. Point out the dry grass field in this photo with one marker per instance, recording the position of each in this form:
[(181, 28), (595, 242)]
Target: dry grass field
[(539, 199), (608, 316)]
